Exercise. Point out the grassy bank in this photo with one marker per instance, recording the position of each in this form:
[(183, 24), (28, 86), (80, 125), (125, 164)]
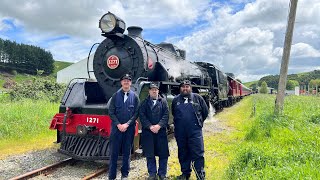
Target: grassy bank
[(24, 125), (286, 147)]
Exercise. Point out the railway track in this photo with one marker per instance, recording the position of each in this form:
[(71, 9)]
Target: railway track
[(54, 167)]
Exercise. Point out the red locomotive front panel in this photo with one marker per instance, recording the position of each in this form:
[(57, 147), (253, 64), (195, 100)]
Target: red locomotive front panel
[(82, 124)]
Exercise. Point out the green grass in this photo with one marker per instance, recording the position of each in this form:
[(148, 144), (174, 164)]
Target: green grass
[(58, 65), (220, 147), (24, 125), (285, 147), (19, 78), (1, 83)]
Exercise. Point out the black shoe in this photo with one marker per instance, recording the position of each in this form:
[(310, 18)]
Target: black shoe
[(162, 177), (183, 177)]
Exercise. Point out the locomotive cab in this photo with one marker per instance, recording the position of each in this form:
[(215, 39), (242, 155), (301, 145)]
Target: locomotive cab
[(84, 97)]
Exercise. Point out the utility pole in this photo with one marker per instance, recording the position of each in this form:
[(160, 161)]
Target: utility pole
[(285, 58)]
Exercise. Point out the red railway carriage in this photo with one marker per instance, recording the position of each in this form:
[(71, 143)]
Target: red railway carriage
[(245, 91), (236, 91), (235, 87)]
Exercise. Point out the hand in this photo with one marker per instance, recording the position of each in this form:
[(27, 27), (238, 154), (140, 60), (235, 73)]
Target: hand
[(152, 129), (123, 127), (119, 126), (155, 128)]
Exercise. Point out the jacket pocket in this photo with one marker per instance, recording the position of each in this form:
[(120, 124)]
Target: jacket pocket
[(131, 108), (118, 109)]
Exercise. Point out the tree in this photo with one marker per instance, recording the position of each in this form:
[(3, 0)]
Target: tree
[(291, 84), (315, 83), (254, 87), (24, 58), (271, 80), (264, 88)]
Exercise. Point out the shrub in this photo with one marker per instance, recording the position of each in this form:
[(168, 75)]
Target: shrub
[(264, 88), (14, 72), (38, 88), (9, 83)]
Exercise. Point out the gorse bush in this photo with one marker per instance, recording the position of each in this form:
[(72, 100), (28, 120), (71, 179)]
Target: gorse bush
[(36, 89)]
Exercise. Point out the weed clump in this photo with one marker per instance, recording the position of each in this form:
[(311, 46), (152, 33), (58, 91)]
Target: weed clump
[(37, 89)]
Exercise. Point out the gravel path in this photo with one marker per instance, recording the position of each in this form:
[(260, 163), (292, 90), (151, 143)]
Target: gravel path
[(19, 164)]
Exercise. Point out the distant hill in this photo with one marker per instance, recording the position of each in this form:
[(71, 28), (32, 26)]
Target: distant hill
[(248, 84), (273, 80), (11, 78), (58, 65)]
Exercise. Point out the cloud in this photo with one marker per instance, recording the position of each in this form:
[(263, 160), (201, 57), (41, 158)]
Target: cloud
[(165, 13), (81, 18), (42, 21), (240, 36), (300, 50), (249, 42)]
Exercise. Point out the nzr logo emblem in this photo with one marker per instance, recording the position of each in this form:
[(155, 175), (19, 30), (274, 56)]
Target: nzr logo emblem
[(113, 62)]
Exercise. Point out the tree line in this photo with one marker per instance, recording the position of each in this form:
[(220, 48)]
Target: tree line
[(303, 79), (24, 58)]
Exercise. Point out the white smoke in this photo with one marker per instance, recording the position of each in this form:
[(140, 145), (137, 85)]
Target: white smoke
[(182, 67)]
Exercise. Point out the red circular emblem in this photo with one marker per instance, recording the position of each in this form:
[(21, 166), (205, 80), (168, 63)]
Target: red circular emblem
[(113, 62), (150, 63)]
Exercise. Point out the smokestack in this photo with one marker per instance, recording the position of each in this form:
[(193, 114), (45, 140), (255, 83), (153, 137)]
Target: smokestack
[(135, 31)]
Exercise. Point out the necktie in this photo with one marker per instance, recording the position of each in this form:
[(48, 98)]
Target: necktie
[(125, 96), (185, 100)]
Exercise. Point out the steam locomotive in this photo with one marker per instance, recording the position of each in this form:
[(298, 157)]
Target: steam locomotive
[(83, 125)]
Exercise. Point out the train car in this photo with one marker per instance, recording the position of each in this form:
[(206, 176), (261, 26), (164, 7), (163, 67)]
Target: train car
[(234, 94), (245, 91), (83, 125), (237, 90)]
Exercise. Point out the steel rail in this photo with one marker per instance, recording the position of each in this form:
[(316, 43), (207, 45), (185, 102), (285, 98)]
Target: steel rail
[(43, 169), (96, 173)]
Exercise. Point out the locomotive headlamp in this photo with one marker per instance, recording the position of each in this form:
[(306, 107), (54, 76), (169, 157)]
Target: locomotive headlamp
[(110, 23)]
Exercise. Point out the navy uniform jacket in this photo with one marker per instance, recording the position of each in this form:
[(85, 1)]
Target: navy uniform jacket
[(154, 144), (199, 106), (120, 112)]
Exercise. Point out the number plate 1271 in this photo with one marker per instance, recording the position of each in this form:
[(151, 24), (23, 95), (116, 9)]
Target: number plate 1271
[(92, 120)]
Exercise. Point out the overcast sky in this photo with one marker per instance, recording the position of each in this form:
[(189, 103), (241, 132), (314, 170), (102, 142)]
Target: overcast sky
[(240, 36)]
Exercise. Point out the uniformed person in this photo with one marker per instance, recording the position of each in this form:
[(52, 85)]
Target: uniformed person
[(189, 111), (123, 111), (154, 116)]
